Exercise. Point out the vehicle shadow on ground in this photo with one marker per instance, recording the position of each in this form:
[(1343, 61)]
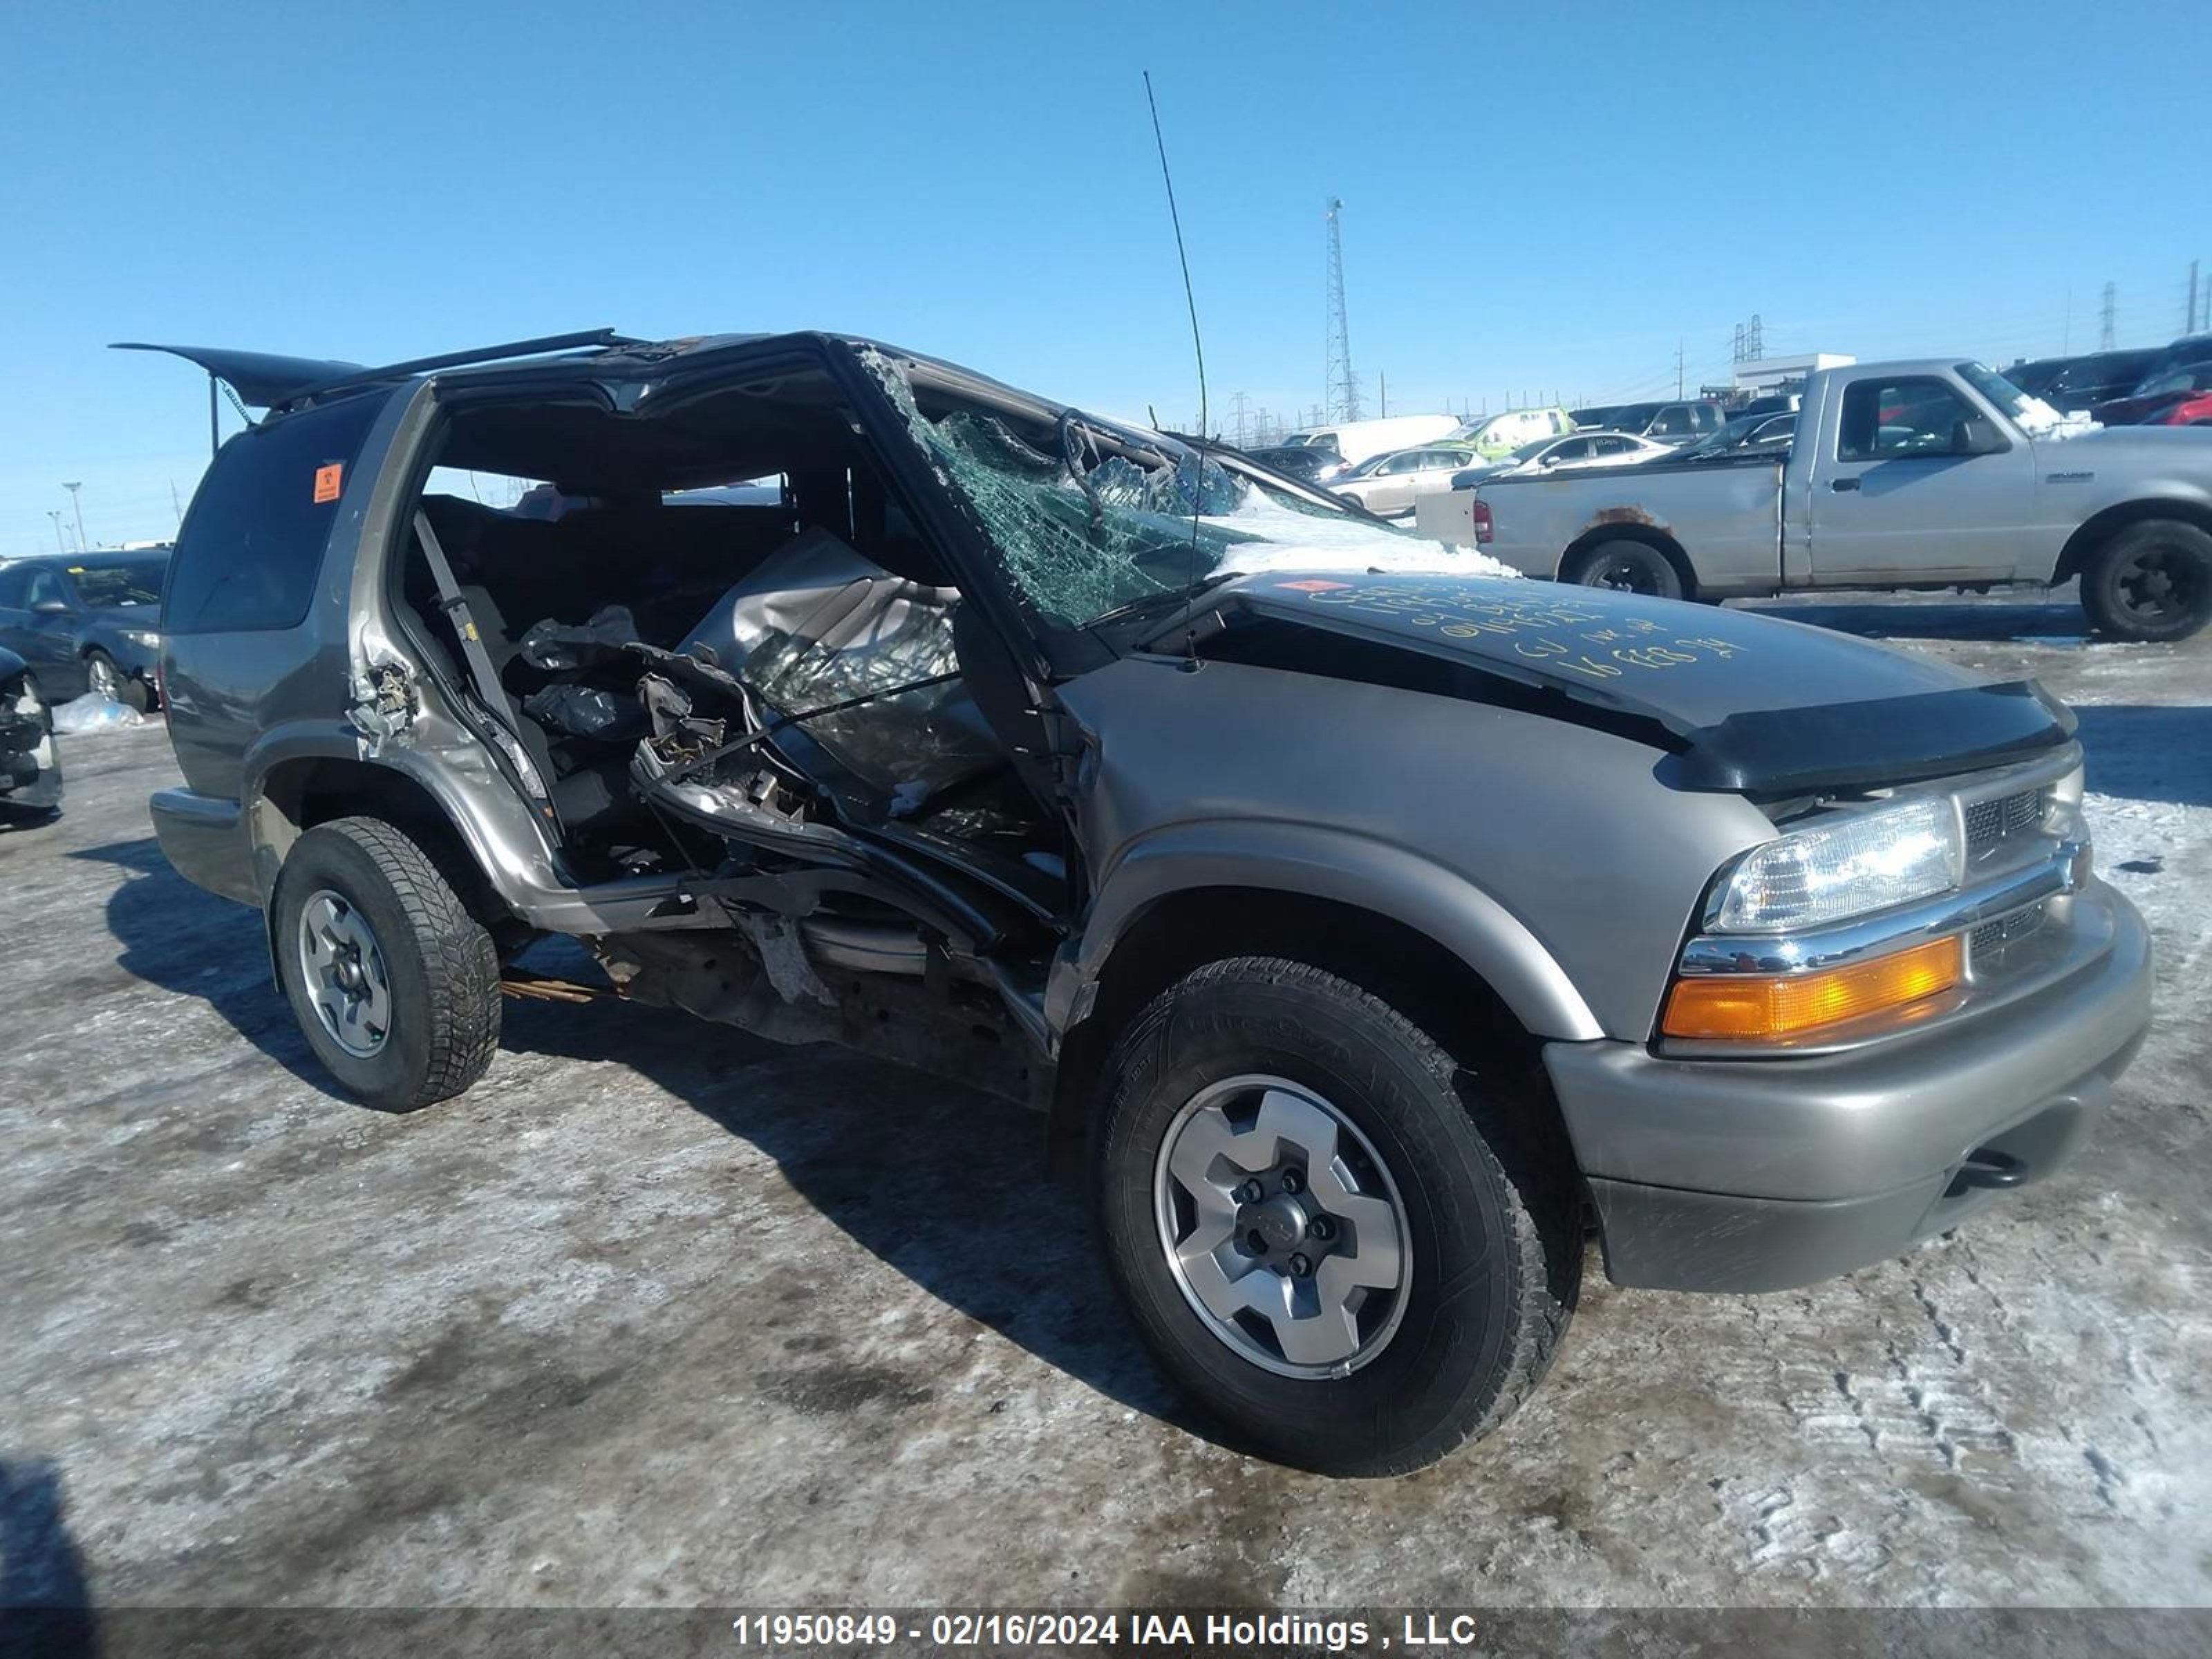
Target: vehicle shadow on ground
[(45, 1600), (2054, 622), (2148, 751), (184, 939), (945, 1185)]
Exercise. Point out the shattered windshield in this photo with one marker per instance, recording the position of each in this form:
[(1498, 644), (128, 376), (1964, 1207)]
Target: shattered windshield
[(1098, 517)]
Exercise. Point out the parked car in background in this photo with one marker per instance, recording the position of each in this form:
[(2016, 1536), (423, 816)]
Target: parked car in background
[(30, 770), (1498, 435), (1742, 433), (1597, 414), (1930, 473), (2170, 398), (1576, 449), (2184, 353), (1370, 968), (1387, 484), (1314, 464), (1772, 402), (1359, 440), (2082, 382), (1671, 424), (86, 621)]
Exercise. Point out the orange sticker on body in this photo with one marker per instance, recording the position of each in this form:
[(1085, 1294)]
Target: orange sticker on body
[(329, 480), (1313, 584)]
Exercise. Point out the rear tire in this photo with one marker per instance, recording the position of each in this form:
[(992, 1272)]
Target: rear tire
[(1476, 1205), (394, 983), (1630, 566), (2150, 581)]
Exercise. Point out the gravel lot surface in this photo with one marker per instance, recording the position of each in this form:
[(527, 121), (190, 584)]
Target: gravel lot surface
[(660, 1314)]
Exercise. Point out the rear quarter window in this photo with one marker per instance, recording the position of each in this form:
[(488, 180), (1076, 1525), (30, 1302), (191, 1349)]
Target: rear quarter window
[(252, 543)]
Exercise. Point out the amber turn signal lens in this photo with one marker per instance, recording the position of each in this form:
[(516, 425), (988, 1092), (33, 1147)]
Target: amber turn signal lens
[(1737, 1006)]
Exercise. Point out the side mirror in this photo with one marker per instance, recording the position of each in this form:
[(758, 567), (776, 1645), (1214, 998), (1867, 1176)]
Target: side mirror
[(1978, 437), (1549, 460), (50, 608)]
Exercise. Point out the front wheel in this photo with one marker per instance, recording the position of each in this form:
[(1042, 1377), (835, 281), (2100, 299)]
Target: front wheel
[(1631, 567), (394, 983), (110, 684), (1353, 1257), (2151, 581)]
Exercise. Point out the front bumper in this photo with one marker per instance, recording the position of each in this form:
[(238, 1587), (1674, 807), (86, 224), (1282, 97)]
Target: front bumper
[(1761, 1174), (30, 769)]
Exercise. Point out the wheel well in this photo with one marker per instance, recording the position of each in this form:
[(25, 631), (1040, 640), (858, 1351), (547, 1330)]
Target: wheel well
[(1184, 930), (1647, 534), (297, 795), (2098, 528)]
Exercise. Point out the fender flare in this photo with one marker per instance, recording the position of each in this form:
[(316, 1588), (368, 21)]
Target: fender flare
[(1318, 862)]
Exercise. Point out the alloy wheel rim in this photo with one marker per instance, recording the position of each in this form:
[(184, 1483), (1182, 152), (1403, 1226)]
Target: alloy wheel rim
[(1626, 576), (1282, 1227), (101, 673), (344, 970), (2155, 584)]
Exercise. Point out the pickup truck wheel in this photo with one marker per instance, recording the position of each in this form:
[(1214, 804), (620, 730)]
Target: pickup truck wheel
[(1632, 566), (394, 983), (1337, 1245), (2153, 581)]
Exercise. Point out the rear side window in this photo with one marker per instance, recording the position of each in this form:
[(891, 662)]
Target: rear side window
[(247, 557)]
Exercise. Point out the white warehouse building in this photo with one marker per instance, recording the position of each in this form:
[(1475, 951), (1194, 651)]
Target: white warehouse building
[(1761, 376)]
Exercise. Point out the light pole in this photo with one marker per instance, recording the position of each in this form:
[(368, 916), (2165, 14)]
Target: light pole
[(55, 513), (76, 503)]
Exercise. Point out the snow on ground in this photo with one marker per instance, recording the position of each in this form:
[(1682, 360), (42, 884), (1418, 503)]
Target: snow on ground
[(659, 1314)]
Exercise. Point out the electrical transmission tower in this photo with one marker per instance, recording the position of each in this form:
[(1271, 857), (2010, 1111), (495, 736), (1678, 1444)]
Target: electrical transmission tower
[(1343, 384), (2106, 338)]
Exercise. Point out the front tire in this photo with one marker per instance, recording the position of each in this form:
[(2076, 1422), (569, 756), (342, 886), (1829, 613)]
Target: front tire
[(394, 983), (110, 684), (1363, 1258), (2151, 581), (1630, 566)]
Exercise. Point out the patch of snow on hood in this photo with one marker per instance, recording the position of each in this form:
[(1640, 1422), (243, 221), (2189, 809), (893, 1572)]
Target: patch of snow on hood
[(2039, 420), (1291, 540)]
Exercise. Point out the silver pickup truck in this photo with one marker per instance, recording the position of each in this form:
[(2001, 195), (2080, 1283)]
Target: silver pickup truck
[(1930, 473)]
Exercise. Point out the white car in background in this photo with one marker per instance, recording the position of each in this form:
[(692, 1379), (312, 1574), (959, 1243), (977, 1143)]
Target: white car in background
[(1387, 484), (1572, 452), (1355, 442)]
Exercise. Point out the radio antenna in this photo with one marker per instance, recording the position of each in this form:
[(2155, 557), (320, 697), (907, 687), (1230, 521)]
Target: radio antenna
[(1198, 349)]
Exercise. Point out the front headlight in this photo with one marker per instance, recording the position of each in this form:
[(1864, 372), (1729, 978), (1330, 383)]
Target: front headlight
[(1847, 867), (141, 636)]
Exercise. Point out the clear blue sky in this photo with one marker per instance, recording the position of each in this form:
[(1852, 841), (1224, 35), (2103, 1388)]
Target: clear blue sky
[(1538, 198)]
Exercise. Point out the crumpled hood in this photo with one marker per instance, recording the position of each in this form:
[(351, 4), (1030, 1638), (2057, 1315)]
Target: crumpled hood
[(1741, 702)]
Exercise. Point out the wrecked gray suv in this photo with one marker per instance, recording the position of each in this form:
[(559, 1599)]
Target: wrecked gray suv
[(1375, 927)]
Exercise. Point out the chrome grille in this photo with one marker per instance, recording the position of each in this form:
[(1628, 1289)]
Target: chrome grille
[(1993, 821), (1992, 937)]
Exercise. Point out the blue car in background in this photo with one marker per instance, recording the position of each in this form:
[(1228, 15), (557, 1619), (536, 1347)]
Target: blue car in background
[(86, 621)]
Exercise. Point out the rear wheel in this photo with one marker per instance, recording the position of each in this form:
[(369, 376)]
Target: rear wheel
[(1328, 1237), (2151, 581), (1632, 566), (394, 983)]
